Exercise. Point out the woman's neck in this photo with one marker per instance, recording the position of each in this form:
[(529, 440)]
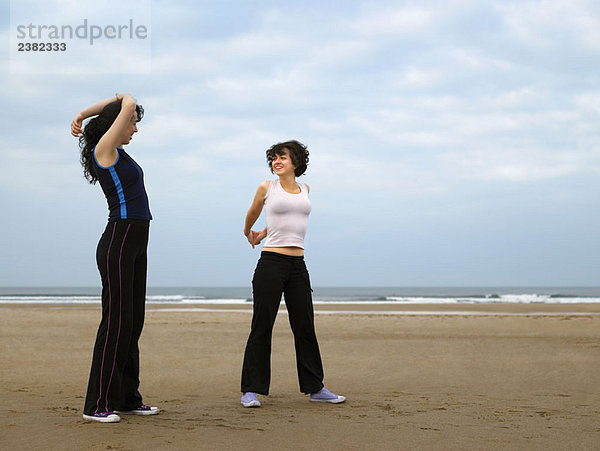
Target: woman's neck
[(288, 182)]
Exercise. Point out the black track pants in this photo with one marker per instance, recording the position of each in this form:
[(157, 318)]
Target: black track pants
[(276, 274), (122, 262)]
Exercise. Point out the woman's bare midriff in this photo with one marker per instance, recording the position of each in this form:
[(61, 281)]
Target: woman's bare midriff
[(293, 251)]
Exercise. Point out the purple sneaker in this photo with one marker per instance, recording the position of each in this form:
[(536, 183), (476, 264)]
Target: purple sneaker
[(141, 410), (249, 400), (103, 417), (325, 395)]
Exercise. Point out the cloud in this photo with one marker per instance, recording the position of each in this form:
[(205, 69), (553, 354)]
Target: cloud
[(515, 165), (550, 23), (473, 59), (588, 102), (396, 22)]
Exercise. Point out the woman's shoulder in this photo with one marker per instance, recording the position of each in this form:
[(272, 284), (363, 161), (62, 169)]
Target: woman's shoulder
[(265, 185), (263, 188), (103, 162)]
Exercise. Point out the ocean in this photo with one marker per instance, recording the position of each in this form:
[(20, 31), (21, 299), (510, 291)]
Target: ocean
[(322, 295)]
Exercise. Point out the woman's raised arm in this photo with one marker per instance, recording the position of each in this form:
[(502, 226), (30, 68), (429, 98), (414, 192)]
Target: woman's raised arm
[(90, 111)]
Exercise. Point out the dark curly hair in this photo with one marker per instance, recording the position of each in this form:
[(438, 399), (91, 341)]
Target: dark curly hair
[(298, 154), (94, 130)]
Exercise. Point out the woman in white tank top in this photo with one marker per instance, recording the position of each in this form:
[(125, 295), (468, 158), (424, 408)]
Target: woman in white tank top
[(281, 270)]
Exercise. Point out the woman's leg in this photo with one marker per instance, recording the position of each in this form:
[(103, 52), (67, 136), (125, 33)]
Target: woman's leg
[(267, 286), (115, 260), (130, 395), (298, 300)]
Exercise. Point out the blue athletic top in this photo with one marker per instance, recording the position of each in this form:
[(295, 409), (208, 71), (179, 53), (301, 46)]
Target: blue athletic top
[(123, 186)]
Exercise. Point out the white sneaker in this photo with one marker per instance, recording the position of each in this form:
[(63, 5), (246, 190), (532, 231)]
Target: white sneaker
[(103, 417), (141, 410), (325, 395), (249, 400)]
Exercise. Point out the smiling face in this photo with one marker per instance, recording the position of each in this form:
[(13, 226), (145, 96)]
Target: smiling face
[(130, 130), (282, 164), (288, 154)]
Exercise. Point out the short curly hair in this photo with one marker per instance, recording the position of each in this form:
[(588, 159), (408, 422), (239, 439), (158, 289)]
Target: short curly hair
[(298, 154)]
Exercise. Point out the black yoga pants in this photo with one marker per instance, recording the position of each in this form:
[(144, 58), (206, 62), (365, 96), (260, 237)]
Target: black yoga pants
[(278, 274), (122, 261)]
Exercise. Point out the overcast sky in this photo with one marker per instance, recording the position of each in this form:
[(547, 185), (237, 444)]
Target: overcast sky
[(451, 142)]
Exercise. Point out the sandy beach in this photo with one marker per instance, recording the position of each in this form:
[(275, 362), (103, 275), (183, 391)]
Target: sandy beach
[(416, 377)]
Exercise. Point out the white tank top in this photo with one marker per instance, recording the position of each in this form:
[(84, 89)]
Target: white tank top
[(287, 216)]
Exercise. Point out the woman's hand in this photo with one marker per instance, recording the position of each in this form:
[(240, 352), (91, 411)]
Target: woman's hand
[(254, 237), (126, 98), (258, 236), (76, 125)]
